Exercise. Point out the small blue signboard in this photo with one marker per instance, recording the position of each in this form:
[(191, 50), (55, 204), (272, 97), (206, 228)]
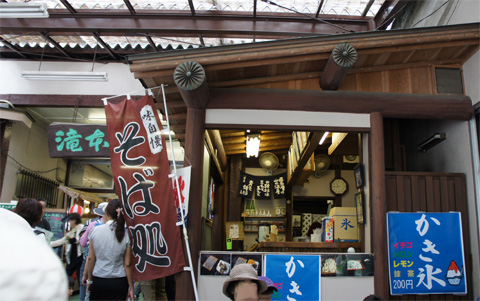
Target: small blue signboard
[(425, 253), (297, 277)]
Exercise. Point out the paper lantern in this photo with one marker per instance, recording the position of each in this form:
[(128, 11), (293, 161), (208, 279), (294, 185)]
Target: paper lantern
[(75, 209)]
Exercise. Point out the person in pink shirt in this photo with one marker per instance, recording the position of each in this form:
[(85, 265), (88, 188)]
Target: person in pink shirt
[(101, 213)]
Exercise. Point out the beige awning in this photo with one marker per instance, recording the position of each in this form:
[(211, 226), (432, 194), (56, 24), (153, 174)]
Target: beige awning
[(75, 194)]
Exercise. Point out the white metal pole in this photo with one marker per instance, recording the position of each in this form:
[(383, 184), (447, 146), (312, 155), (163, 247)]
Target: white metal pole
[(185, 234)]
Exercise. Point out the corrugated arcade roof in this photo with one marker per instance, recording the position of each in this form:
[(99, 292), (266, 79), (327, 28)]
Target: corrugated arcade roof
[(110, 30)]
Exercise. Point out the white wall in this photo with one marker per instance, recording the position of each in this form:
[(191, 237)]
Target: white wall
[(454, 154), (120, 79), (293, 118), (321, 187), (471, 76), (29, 148), (444, 13)]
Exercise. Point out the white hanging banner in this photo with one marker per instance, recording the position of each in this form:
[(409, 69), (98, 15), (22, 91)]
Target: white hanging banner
[(183, 175)]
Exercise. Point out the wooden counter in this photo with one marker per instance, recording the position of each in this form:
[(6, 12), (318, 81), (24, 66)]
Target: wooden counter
[(312, 247)]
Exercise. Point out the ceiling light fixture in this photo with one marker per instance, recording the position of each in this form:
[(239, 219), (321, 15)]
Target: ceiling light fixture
[(253, 145), (65, 75), (325, 135), (23, 10), (431, 142)]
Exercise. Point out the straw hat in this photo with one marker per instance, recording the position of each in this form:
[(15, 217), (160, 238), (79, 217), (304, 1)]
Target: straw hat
[(243, 271), (100, 210)]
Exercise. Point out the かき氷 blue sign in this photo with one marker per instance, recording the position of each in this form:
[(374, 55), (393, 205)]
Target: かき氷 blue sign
[(425, 253), (297, 277)]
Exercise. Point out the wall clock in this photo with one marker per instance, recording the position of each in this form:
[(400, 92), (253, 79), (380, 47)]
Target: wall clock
[(339, 186)]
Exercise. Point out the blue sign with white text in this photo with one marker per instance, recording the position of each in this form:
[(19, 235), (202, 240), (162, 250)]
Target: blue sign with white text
[(425, 253), (297, 277)]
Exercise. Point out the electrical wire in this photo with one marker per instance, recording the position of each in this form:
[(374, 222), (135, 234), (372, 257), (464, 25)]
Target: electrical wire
[(320, 20), (387, 21), (431, 13), (26, 168)]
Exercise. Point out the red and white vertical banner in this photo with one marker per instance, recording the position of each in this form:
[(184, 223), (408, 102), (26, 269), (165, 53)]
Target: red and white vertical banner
[(182, 194), (140, 170)]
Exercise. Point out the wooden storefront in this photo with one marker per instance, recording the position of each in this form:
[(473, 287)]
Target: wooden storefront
[(394, 77)]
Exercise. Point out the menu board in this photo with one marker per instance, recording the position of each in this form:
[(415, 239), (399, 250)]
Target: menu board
[(425, 253), (56, 218), (296, 277)]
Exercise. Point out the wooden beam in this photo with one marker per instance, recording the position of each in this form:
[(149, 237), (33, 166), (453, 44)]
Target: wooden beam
[(284, 143), (151, 42), (55, 44), (130, 7), (192, 82), (180, 116), (194, 151), (347, 141), (305, 156), (70, 8), (391, 105), (179, 23), (343, 58), (234, 140), (213, 153), (105, 46), (279, 148), (13, 48), (264, 80), (305, 47), (319, 8), (218, 146), (180, 136)]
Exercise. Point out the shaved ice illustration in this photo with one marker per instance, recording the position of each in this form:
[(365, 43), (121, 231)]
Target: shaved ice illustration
[(454, 274)]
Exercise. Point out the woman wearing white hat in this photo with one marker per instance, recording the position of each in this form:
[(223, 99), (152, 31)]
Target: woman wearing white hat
[(243, 284)]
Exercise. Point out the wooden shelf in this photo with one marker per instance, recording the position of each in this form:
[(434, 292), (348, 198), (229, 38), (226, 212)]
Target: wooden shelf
[(258, 216), (252, 231), (314, 247)]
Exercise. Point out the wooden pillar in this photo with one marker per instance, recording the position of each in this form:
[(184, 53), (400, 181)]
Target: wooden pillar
[(218, 231), (235, 202), (342, 59), (378, 206), (191, 81)]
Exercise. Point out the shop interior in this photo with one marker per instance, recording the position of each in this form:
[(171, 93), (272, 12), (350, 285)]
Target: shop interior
[(320, 170)]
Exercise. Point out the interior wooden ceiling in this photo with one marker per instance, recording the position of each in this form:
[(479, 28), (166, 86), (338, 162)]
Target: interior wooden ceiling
[(234, 141), (298, 64)]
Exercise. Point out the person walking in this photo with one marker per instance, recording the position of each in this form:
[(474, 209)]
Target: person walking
[(31, 210), (84, 240), (44, 224), (108, 269), (74, 251)]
